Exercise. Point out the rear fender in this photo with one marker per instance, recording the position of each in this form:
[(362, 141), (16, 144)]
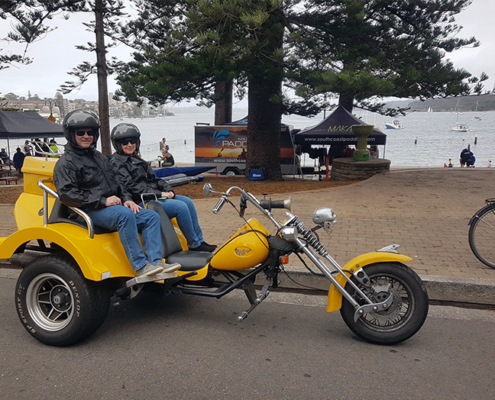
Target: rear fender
[(334, 295), (99, 258)]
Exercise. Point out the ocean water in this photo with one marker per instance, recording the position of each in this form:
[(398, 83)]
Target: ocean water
[(426, 140)]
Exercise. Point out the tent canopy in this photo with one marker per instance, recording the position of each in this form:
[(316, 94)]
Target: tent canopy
[(337, 129), (27, 125)]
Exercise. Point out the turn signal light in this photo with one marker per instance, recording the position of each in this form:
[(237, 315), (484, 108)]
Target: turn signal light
[(284, 260)]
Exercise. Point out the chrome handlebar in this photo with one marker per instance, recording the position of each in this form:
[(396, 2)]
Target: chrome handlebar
[(219, 205), (248, 197)]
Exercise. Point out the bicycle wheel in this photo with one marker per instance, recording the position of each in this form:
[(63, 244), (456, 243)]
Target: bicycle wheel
[(482, 235)]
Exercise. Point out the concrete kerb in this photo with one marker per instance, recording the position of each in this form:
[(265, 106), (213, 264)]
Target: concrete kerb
[(441, 289), (477, 292)]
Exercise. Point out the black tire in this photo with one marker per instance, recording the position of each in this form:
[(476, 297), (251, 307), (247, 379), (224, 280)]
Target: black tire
[(406, 315), (56, 304), (482, 234), (231, 171)]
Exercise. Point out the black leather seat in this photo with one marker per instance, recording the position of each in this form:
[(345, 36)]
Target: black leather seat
[(62, 213), (171, 247)]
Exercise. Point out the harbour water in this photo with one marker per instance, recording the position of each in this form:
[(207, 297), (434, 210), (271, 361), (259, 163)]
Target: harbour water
[(426, 140)]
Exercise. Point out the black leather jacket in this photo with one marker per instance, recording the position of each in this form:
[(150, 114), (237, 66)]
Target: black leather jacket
[(85, 178), (138, 177)]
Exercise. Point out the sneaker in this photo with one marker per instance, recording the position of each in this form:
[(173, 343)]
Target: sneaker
[(150, 269), (169, 267), (203, 247)]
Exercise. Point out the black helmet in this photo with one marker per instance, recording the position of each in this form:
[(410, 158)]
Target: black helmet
[(81, 119), (125, 131)]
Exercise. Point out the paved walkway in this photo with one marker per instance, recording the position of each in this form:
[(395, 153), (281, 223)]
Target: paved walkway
[(426, 211)]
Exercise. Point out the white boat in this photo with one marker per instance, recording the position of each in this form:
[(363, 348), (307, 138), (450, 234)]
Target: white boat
[(430, 109), (394, 125), (477, 118), (460, 127)]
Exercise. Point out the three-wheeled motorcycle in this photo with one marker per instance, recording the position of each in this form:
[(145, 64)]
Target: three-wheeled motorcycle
[(63, 296)]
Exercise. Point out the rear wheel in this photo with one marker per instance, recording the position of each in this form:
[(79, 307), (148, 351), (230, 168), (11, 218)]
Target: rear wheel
[(56, 304), (403, 318)]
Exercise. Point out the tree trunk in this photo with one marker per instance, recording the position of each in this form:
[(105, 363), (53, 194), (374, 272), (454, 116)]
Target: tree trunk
[(101, 69), (263, 134), (346, 101), (264, 94), (223, 102)]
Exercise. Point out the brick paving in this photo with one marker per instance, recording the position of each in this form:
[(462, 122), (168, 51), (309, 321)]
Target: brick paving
[(426, 211)]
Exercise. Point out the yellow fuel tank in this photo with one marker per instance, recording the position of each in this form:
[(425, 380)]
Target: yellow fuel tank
[(245, 249)]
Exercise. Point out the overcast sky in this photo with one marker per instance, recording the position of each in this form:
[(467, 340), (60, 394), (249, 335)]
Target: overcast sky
[(55, 55)]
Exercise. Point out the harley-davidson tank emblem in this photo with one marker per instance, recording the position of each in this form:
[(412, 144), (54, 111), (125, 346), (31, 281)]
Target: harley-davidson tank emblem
[(240, 251)]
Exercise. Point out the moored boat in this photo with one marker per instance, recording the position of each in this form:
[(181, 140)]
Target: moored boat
[(394, 125), (460, 127)]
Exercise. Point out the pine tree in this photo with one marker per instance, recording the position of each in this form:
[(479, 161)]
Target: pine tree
[(30, 25), (195, 49), (358, 50), (189, 70), (28, 19)]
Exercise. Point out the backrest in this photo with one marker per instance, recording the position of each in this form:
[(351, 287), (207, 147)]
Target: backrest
[(170, 241), (62, 213)]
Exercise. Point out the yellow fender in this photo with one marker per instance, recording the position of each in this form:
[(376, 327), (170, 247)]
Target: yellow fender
[(99, 258), (335, 297)]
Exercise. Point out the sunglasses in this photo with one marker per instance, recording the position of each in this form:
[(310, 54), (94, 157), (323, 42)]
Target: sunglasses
[(125, 142), (81, 133)]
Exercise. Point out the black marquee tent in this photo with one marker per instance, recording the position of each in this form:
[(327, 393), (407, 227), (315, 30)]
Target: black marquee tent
[(27, 125), (336, 129)]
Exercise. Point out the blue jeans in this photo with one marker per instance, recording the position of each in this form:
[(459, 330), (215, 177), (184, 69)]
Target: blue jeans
[(182, 208), (127, 224)]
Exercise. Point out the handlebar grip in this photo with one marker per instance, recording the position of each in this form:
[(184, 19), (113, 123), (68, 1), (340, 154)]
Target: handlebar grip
[(269, 204), (219, 205)]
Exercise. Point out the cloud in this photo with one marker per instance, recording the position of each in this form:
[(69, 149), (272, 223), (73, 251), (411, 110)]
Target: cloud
[(55, 55)]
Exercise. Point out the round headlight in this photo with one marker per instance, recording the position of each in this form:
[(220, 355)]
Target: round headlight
[(289, 233)]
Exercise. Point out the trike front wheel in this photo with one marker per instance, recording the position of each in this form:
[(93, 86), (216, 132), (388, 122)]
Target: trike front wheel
[(403, 318)]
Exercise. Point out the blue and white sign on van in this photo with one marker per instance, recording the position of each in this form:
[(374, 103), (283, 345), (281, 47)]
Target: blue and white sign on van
[(220, 136)]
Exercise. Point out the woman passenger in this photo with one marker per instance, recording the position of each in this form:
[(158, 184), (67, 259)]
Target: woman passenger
[(138, 178)]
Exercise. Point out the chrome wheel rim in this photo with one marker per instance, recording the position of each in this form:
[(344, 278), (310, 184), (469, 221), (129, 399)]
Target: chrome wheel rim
[(50, 302), (398, 313)]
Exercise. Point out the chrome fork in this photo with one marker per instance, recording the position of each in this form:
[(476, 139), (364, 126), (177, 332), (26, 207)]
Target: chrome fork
[(360, 275)]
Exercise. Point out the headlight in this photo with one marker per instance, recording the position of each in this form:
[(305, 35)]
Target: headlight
[(289, 233)]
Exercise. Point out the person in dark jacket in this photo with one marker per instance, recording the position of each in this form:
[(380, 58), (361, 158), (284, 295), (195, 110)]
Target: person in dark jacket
[(18, 159), (466, 158), (85, 178), (5, 157), (138, 178)]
